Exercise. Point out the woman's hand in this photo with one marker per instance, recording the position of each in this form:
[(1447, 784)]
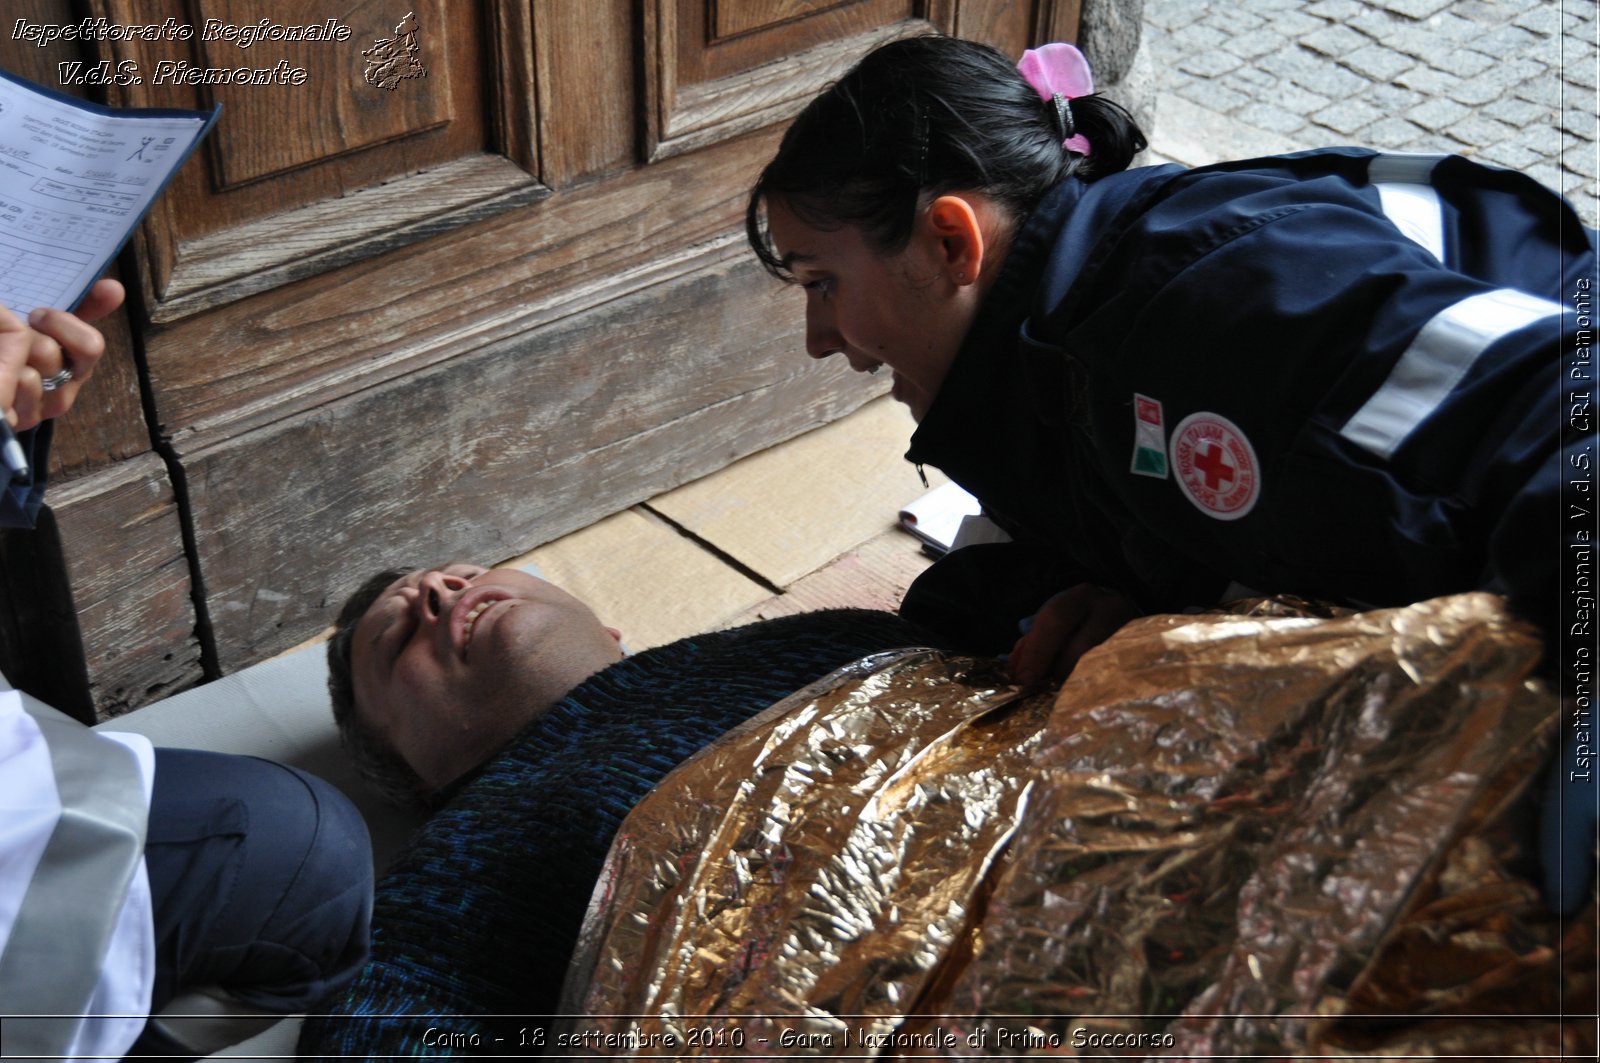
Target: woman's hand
[(39, 349), (1065, 628)]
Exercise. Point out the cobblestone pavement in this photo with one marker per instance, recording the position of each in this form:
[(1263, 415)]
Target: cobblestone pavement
[(1510, 82)]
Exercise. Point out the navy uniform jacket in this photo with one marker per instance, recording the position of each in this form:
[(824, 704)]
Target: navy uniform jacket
[(20, 502), (1360, 377), (1353, 376)]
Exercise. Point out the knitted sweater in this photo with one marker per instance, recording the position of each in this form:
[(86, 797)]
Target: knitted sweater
[(481, 913)]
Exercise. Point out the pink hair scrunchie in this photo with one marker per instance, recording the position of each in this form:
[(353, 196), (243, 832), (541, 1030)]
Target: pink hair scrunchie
[(1059, 73)]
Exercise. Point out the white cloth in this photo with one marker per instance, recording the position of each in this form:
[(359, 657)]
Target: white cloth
[(30, 808)]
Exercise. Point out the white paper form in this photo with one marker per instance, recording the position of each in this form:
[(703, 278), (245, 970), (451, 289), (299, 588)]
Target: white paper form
[(75, 179)]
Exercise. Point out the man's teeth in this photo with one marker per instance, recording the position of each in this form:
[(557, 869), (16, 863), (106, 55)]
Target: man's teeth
[(472, 619)]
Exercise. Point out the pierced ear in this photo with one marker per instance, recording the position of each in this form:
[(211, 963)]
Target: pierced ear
[(954, 222)]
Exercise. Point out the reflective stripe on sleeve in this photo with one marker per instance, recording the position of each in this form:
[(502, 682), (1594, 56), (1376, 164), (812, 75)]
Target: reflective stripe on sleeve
[(1416, 211), (1408, 200), (52, 960), (1412, 168), (1437, 359)]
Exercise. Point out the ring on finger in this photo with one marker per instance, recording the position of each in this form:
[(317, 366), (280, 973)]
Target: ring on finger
[(51, 383)]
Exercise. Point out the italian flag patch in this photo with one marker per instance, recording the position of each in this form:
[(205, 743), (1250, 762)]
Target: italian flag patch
[(1149, 438)]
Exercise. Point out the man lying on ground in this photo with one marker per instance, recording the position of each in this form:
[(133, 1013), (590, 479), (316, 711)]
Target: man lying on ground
[(504, 703)]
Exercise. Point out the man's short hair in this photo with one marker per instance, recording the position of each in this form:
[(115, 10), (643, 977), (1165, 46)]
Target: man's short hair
[(375, 758)]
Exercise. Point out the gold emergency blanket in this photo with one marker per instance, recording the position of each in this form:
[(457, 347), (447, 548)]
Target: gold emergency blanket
[(1225, 836)]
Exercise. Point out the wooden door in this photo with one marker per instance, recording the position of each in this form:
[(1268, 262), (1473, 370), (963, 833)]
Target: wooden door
[(459, 279)]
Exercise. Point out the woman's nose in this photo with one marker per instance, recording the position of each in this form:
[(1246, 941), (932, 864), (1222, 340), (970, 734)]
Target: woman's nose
[(823, 346), (822, 339)]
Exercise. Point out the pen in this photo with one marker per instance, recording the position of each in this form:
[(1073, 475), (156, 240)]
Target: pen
[(11, 450)]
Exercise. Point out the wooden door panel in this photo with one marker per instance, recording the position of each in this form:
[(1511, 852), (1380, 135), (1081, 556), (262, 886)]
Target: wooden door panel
[(1014, 25), (108, 422), (717, 40), (732, 20), (331, 134), (348, 115), (334, 335), (716, 71), (507, 446), (303, 178), (122, 542)]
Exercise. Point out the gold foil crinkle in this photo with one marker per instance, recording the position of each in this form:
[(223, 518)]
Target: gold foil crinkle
[(1225, 835)]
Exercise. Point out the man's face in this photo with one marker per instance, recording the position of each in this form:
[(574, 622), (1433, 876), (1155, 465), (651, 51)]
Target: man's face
[(449, 663)]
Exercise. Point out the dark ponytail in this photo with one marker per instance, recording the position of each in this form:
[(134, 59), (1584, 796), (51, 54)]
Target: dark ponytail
[(920, 117), (1112, 134)]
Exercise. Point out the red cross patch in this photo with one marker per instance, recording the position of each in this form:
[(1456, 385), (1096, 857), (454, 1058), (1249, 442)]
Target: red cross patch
[(1216, 466)]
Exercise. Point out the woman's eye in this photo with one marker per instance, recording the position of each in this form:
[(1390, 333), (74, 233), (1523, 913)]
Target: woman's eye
[(822, 285)]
